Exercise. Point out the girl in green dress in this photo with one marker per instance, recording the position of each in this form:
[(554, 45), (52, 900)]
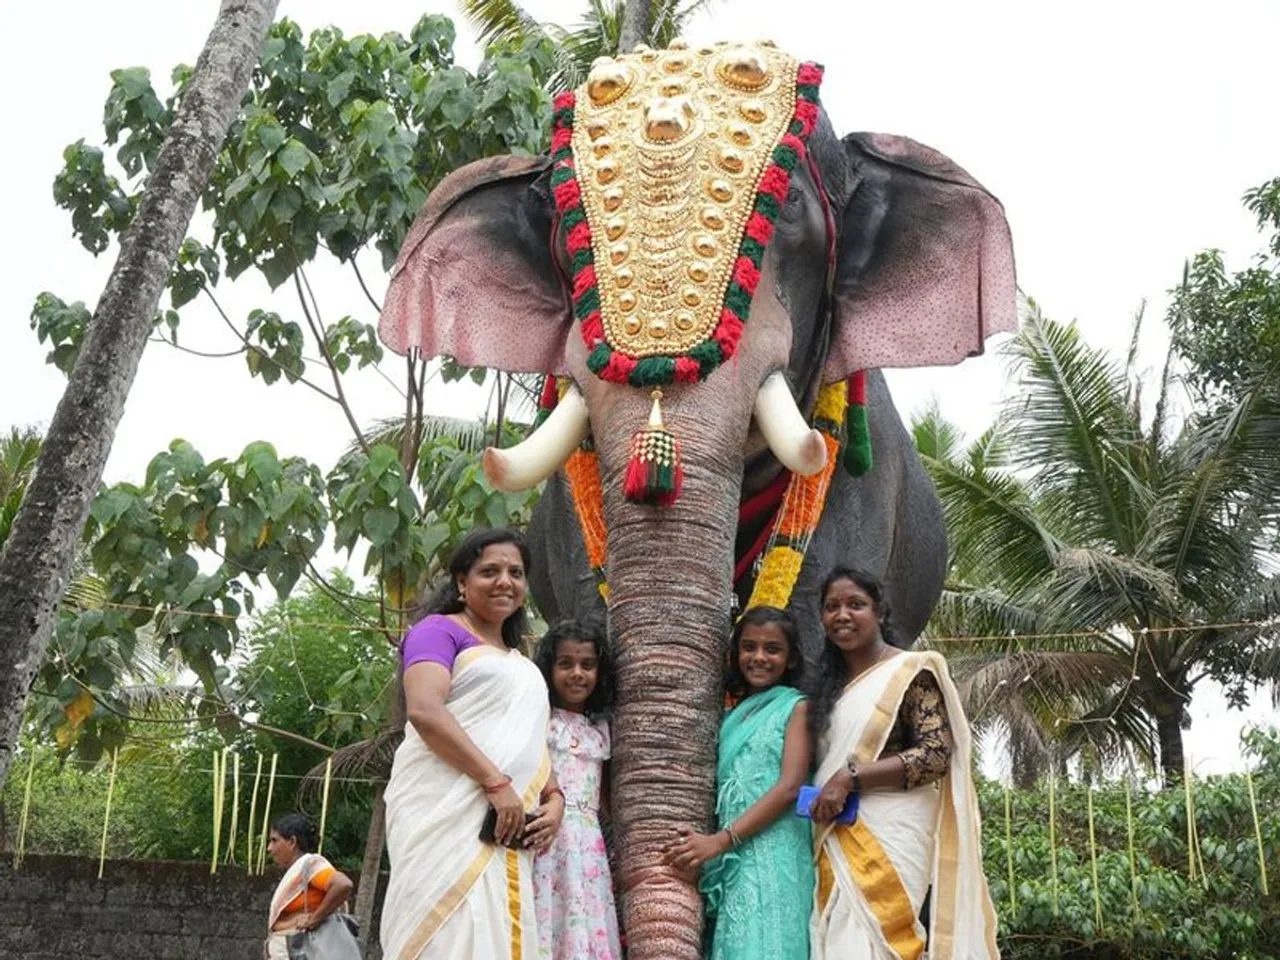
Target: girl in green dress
[(757, 870)]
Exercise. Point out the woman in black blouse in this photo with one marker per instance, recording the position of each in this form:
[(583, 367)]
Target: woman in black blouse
[(889, 727)]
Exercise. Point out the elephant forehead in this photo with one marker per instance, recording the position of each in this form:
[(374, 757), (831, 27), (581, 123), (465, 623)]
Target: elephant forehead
[(669, 148)]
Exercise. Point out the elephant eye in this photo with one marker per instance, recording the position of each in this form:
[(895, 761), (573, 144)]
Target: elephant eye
[(793, 209)]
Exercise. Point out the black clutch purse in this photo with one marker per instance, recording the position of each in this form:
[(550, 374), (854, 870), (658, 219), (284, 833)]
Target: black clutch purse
[(490, 827)]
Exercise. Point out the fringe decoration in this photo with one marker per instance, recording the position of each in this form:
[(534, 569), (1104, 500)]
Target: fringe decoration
[(655, 475), (857, 450)]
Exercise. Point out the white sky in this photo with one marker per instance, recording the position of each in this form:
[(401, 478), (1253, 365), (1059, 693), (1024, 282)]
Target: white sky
[(1120, 137)]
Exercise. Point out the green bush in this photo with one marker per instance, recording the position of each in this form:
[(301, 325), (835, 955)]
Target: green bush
[(1222, 914)]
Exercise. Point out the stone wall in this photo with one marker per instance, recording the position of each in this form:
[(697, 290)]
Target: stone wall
[(56, 907)]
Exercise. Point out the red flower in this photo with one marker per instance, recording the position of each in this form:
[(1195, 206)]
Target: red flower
[(619, 367), (775, 182), (728, 332), (593, 329), (579, 238), (562, 138), (564, 101), (584, 281), (686, 370), (807, 114), (759, 228), (568, 195), (810, 75), (746, 274)]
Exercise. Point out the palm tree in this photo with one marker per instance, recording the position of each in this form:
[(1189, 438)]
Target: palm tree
[(597, 35), (1137, 546)]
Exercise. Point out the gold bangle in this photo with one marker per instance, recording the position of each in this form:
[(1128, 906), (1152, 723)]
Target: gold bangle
[(734, 839)]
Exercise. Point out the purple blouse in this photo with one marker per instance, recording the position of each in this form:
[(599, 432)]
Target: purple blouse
[(437, 639)]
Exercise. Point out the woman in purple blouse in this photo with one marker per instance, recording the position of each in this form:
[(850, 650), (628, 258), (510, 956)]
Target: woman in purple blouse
[(476, 739)]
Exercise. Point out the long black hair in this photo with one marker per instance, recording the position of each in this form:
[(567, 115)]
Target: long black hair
[(447, 599), (294, 826), (735, 684), (833, 670), (590, 629)]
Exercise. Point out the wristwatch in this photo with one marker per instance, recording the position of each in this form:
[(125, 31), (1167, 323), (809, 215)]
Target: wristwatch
[(852, 766)]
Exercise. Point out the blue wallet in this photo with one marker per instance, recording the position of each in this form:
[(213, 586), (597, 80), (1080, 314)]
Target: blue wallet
[(809, 794)]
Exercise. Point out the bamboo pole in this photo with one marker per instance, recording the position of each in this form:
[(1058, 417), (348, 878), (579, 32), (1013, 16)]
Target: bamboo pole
[(106, 817), (266, 815), (21, 848), (253, 816), (324, 801), (1008, 848), (235, 807), (1093, 860), (1191, 832), (1257, 832), (1053, 843), (219, 803), (1133, 859), (1196, 851)]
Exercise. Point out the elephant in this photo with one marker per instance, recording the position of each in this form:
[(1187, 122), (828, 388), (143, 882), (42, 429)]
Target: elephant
[(881, 253)]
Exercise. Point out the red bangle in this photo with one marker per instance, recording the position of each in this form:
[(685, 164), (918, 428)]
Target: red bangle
[(497, 784)]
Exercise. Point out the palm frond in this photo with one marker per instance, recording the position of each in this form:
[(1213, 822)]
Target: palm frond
[(935, 436), (996, 536), (1074, 430)]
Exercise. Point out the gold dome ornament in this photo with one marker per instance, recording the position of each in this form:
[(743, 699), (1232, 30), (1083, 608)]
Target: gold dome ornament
[(744, 68), (668, 119), (608, 81)]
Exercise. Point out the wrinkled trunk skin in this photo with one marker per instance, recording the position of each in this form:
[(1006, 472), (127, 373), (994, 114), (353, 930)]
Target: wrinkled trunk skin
[(37, 558), (670, 573)]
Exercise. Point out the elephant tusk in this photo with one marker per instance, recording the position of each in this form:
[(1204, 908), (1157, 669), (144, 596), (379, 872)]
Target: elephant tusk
[(800, 448), (544, 451)]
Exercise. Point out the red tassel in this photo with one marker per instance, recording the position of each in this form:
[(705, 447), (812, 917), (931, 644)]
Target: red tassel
[(655, 475)]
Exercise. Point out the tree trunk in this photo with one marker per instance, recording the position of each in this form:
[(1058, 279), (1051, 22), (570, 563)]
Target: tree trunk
[(37, 558), (367, 893), (1168, 715), (635, 24)]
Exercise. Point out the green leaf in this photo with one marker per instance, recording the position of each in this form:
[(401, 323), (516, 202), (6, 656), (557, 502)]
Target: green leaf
[(380, 524), (293, 157)]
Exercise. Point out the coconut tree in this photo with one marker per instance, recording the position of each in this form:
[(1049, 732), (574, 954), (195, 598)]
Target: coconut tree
[(1134, 546), (599, 33)]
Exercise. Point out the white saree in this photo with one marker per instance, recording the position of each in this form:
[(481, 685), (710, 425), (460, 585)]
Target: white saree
[(450, 895), (874, 874)]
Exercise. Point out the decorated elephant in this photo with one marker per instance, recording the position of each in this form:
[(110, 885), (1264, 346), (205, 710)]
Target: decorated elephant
[(711, 279)]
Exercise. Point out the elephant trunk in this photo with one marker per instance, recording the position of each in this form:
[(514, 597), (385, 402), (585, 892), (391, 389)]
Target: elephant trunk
[(670, 573)]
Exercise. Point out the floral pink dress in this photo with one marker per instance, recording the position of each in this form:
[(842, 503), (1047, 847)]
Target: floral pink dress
[(572, 886)]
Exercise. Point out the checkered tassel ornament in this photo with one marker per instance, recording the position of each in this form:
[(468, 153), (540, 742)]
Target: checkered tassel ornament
[(654, 475)]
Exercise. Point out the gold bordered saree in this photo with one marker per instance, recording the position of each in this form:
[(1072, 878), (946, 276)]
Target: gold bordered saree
[(450, 895), (874, 874)]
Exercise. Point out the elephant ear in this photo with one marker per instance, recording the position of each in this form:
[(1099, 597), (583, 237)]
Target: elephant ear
[(476, 279), (925, 267)]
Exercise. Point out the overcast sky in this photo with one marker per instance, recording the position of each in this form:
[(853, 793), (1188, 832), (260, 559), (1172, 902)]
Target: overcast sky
[(1120, 137)]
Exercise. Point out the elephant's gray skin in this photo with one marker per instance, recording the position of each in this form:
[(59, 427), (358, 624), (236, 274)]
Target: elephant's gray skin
[(923, 273), (888, 522)]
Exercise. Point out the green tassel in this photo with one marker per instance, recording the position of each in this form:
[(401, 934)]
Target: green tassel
[(857, 432)]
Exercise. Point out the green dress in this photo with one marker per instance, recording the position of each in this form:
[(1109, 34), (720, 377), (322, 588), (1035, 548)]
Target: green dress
[(759, 894)]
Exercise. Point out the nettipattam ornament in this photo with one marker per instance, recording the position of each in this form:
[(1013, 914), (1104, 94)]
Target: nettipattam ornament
[(669, 171)]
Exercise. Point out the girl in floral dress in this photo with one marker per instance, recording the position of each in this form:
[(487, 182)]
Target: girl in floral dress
[(573, 890)]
